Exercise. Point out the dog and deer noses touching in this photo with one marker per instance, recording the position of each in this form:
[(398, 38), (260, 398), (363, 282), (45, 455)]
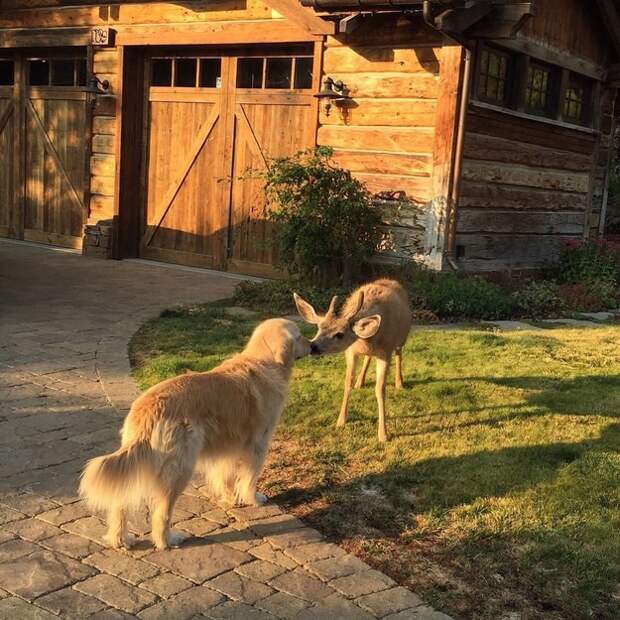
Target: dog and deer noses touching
[(374, 323)]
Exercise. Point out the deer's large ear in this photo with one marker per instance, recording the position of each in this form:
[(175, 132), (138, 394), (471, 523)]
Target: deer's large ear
[(367, 327), (306, 311)]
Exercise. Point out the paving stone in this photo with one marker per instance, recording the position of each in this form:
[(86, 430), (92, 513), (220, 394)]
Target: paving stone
[(121, 565), (240, 588), (275, 525), (362, 583), (166, 585), (275, 556), (195, 505), (294, 538), (112, 614), (217, 515), (74, 546), (260, 570), (240, 539), (334, 606), (16, 548), (197, 600), (197, 526), (233, 610), (16, 609), (389, 601), (29, 504), (89, 527), (70, 604), (65, 514), (46, 572), (299, 583), (418, 613), (283, 605), (331, 568), (116, 593), (8, 514), (33, 529), (253, 513), (199, 560), (311, 552), (6, 535)]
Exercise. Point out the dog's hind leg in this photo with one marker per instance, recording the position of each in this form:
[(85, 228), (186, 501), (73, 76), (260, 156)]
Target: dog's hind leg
[(163, 535), (250, 467), (117, 535)]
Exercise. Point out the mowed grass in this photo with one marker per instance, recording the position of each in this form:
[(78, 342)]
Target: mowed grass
[(499, 490)]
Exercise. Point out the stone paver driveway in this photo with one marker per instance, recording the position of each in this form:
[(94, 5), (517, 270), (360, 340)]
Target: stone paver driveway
[(65, 321)]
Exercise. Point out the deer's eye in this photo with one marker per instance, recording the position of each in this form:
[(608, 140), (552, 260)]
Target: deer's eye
[(339, 335)]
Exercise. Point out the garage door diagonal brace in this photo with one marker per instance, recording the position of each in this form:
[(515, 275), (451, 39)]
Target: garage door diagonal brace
[(6, 115), (252, 141), (53, 153), (171, 194)]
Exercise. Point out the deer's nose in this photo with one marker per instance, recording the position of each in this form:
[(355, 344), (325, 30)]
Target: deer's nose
[(314, 349)]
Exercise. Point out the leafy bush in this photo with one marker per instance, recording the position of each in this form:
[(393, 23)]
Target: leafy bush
[(326, 225), (590, 271), (539, 300)]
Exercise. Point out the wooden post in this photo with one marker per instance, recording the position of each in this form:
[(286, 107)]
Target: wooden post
[(452, 64), (16, 225)]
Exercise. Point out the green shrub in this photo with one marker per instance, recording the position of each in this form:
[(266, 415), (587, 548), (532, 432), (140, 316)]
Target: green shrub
[(539, 300), (588, 261), (326, 225)]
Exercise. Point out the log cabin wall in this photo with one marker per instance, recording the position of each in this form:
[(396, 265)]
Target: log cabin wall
[(529, 184), (386, 135)]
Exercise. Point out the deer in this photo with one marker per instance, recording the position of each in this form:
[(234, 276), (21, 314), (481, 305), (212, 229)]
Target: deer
[(374, 322)]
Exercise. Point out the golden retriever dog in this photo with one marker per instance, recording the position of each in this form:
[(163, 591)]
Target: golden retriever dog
[(222, 420)]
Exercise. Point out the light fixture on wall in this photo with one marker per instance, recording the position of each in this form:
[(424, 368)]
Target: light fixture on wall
[(333, 93), (98, 87)]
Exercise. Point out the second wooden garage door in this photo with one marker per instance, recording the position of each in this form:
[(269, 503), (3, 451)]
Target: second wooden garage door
[(213, 118)]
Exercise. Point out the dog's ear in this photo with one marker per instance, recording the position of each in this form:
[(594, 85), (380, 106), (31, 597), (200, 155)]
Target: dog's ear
[(306, 311), (367, 327)]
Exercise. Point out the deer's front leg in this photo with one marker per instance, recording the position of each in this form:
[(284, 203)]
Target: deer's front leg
[(348, 385), (361, 378), (399, 369), (382, 370)]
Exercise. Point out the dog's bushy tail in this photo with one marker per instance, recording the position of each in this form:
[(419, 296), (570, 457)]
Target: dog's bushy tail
[(124, 477)]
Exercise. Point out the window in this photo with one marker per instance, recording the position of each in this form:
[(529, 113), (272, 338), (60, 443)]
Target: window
[(184, 72), (57, 72), (283, 72), (577, 99), (539, 89), (7, 73), (493, 75), (516, 81)]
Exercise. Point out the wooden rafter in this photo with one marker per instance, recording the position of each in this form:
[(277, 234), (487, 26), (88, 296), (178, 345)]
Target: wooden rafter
[(612, 21), (305, 17)]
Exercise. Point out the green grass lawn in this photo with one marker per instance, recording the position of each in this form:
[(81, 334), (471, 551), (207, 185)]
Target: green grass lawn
[(500, 488)]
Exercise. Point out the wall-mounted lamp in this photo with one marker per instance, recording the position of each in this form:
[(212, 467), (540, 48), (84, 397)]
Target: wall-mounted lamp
[(333, 93), (98, 87)]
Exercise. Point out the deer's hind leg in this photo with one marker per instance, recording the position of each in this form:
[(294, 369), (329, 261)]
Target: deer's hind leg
[(398, 354), (351, 359), (361, 378)]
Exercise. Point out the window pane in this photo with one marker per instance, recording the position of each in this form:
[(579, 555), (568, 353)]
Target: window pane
[(538, 94), (63, 72), (303, 73), (250, 73), (81, 71), (39, 72), (185, 72), (493, 76), (279, 72), (7, 73), (210, 72), (161, 72), (578, 94)]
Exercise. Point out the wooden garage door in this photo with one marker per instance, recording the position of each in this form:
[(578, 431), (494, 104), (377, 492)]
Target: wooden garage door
[(212, 119), (56, 148), (9, 227), (43, 147)]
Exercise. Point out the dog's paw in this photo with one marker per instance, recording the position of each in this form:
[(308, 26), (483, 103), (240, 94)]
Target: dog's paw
[(259, 499), (116, 541), (177, 538)]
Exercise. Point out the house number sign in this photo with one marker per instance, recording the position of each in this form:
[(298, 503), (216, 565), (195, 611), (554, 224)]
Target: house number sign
[(102, 36)]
